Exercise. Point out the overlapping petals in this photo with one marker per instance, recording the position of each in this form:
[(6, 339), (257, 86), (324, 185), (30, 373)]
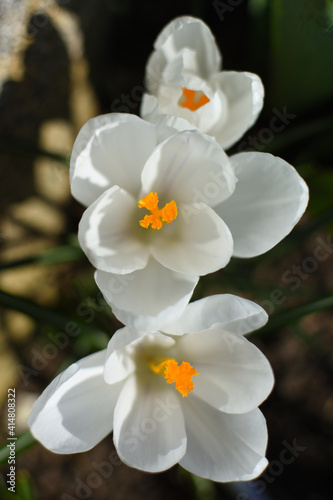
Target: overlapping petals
[(214, 429), (56, 417), (164, 442), (165, 296), (235, 454), (186, 168), (165, 205), (242, 206), (230, 312), (183, 79), (101, 156), (108, 236), (191, 37)]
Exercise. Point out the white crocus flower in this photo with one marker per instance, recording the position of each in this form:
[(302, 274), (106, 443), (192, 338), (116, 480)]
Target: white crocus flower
[(188, 393), (184, 78), (164, 208), (146, 229)]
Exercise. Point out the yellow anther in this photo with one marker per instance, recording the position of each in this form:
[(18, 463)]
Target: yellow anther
[(150, 202), (158, 216), (192, 99), (182, 374)]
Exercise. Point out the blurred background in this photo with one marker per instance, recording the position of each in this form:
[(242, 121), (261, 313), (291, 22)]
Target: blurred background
[(64, 62)]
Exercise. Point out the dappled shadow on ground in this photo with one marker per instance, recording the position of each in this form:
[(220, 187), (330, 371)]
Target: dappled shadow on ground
[(38, 111)]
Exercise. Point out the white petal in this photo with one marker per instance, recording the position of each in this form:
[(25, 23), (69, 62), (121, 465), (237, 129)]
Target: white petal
[(149, 298), (107, 233), (231, 312), (223, 447), (121, 357), (168, 97), (202, 245), (234, 376), (118, 365), (75, 411), (149, 107), (244, 93), (166, 125), (269, 199), (177, 68), (183, 32), (110, 150), (189, 167), (206, 118), (149, 430), (211, 115), (154, 71)]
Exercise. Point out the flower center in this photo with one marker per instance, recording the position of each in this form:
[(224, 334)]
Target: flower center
[(182, 374), (158, 216), (192, 99)]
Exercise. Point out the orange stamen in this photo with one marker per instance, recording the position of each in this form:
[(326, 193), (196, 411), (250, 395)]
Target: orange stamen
[(182, 374), (166, 214), (192, 99)]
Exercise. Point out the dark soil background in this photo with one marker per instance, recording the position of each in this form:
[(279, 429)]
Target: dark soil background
[(62, 63)]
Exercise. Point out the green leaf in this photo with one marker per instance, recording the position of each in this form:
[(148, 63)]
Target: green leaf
[(257, 7), (24, 488), (301, 53), (287, 317), (56, 255), (33, 310), (23, 442), (203, 489), (47, 316), (296, 135)]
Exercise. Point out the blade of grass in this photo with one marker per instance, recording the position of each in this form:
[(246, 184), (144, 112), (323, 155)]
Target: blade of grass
[(287, 317), (300, 133), (25, 486), (42, 314), (22, 443), (33, 310), (60, 254)]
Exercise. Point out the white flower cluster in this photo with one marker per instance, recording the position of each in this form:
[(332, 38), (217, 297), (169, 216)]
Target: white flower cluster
[(166, 205)]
